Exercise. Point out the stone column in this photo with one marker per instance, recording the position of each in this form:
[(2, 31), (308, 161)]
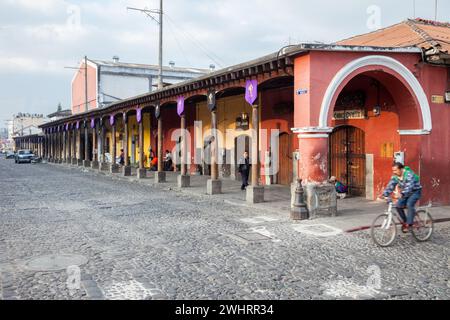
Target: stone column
[(79, 153), (94, 163), (57, 146), (255, 192), (313, 164), (160, 176), (52, 139), (64, 157), (114, 168), (313, 170), (103, 165), (214, 185), (69, 147), (142, 172), (184, 180), (74, 147), (60, 145), (86, 161), (126, 170)]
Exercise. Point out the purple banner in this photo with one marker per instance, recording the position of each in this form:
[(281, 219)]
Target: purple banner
[(67, 127), (251, 91), (112, 120), (138, 115), (78, 125), (180, 106), (92, 123)]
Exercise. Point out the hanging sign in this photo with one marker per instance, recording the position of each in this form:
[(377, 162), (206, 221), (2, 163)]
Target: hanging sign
[(251, 91), (158, 111), (139, 115), (92, 123), (180, 106), (349, 114), (211, 100), (78, 125), (67, 127), (112, 120)]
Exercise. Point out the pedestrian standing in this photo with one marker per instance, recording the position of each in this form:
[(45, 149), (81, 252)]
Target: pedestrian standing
[(122, 158), (244, 170)]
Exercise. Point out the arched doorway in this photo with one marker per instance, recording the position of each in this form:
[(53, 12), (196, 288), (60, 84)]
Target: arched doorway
[(285, 165), (348, 158), (241, 144)]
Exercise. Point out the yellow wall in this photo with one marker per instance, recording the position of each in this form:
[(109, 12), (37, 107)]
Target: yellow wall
[(228, 109)]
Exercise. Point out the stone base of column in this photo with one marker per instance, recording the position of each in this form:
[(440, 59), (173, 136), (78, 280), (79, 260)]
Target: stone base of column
[(213, 187), (86, 163), (126, 171), (184, 181), (94, 164), (142, 173), (160, 177), (50, 160), (68, 161), (114, 168), (74, 161), (255, 194), (80, 162), (103, 166)]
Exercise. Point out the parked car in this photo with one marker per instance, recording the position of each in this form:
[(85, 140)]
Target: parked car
[(24, 156), (10, 155)]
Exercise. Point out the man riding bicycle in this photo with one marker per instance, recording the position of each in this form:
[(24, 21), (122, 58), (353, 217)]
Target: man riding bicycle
[(411, 192)]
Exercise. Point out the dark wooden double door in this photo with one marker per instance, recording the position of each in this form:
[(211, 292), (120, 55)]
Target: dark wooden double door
[(348, 158)]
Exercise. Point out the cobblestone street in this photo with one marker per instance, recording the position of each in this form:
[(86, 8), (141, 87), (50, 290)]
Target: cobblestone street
[(139, 242)]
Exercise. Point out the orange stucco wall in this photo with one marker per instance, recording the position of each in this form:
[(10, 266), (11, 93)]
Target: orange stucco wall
[(426, 154), (78, 89)]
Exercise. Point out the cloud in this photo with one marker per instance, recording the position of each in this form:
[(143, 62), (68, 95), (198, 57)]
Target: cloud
[(39, 38)]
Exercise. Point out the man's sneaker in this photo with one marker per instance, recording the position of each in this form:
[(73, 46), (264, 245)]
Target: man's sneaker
[(405, 228)]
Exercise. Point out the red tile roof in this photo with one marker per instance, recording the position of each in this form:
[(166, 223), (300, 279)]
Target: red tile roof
[(421, 33)]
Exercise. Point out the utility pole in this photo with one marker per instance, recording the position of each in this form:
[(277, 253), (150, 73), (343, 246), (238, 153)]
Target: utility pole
[(435, 10), (86, 108), (159, 21), (160, 58)]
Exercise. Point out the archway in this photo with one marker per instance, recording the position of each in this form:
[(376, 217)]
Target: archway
[(389, 67), (242, 144)]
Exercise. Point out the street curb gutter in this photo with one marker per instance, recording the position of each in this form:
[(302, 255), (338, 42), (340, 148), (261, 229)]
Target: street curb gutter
[(368, 227)]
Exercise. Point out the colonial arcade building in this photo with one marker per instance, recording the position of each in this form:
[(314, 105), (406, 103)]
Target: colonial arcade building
[(309, 111)]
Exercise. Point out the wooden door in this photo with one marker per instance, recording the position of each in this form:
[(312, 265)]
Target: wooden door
[(285, 166), (348, 159)]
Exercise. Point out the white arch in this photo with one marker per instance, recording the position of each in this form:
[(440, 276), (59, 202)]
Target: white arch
[(390, 63)]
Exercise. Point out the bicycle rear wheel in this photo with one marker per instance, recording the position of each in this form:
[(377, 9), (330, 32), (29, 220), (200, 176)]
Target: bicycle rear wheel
[(423, 226), (383, 230)]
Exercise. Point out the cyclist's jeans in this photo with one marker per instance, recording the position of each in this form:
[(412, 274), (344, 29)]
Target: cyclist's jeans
[(410, 203)]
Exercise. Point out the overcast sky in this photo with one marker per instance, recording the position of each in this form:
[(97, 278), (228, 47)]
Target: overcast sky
[(38, 38)]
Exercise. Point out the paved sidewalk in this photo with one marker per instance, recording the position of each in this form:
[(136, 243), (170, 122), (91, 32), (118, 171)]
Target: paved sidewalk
[(353, 213)]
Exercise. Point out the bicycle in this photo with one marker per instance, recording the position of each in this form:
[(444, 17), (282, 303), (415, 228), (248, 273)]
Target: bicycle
[(384, 227)]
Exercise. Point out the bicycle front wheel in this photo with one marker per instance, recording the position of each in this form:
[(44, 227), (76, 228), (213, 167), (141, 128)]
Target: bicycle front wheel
[(423, 226), (383, 230)]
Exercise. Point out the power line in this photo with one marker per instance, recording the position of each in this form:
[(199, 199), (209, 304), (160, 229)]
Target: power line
[(211, 55), (179, 45)]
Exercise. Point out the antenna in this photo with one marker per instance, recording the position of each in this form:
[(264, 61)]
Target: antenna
[(159, 21)]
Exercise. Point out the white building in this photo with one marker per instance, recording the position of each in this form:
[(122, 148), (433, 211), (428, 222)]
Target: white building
[(112, 81)]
